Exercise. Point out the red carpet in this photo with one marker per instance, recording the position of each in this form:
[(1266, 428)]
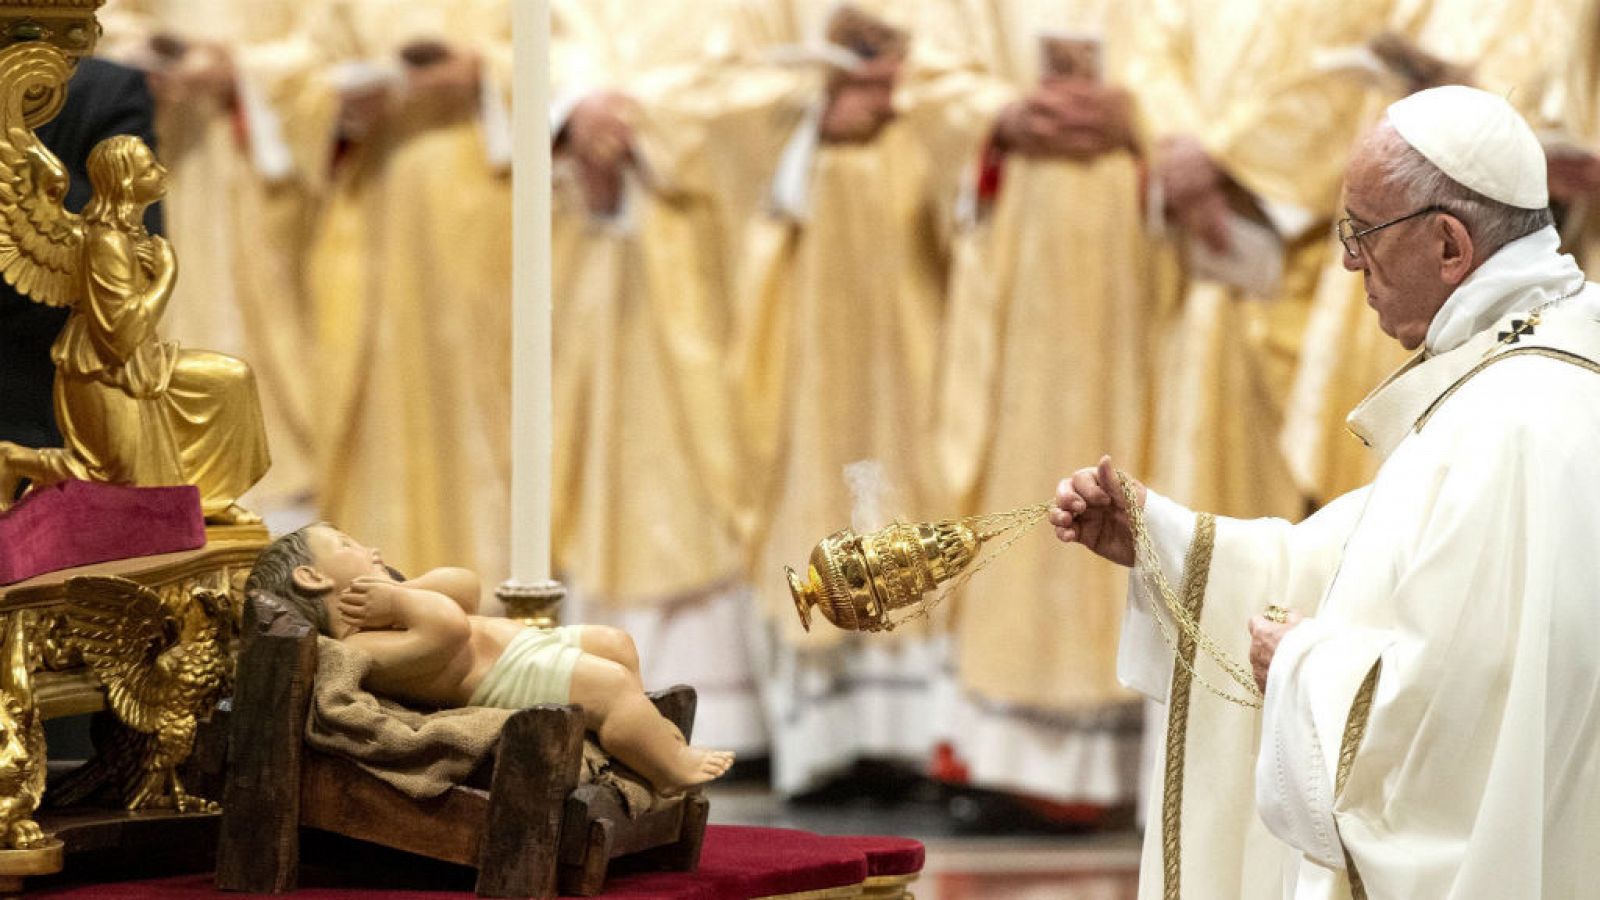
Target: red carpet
[(737, 863)]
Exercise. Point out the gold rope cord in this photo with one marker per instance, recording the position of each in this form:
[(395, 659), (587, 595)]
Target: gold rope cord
[(1197, 570), (1188, 622)]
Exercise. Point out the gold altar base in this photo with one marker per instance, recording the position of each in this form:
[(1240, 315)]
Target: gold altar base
[(16, 865), (888, 887), (250, 532), (60, 683)]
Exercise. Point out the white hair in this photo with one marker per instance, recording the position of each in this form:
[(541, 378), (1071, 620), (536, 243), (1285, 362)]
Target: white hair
[(1491, 223)]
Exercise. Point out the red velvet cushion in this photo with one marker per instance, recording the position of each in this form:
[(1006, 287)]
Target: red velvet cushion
[(889, 855), (78, 523)]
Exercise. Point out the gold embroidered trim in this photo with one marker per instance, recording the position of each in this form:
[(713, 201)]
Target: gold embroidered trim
[(1548, 352), (1355, 728), (1196, 572)]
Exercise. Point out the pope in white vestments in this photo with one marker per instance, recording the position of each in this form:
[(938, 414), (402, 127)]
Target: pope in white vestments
[(1430, 649)]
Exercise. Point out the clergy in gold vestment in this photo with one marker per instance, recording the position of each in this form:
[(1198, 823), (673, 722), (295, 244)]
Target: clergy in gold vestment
[(1504, 46), (411, 281), (1571, 113), (1426, 645), (661, 157), (240, 133), (1055, 254), (839, 309), (1248, 146)]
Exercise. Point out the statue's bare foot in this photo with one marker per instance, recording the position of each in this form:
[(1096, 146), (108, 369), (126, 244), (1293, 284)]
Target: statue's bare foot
[(695, 766), (233, 515)]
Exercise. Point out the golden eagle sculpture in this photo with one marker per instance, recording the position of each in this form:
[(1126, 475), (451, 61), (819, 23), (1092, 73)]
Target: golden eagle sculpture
[(132, 408), (164, 667)]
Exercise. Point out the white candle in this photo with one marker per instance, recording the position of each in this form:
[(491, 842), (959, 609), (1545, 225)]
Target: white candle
[(530, 388)]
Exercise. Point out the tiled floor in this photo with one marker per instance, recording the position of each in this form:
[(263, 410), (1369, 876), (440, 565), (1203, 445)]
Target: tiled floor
[(970, 857)]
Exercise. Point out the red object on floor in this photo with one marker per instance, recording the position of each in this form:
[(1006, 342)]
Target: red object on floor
[(79, 523), (737, 863)]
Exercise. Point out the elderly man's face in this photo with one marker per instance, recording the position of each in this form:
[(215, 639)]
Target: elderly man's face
[(1401, 265)]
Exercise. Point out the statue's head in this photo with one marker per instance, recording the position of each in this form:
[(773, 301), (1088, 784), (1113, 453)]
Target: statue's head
[(126, 177), (309, 568)]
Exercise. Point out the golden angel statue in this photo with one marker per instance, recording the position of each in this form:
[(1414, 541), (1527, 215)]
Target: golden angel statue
[(164, 667), (132, 408)]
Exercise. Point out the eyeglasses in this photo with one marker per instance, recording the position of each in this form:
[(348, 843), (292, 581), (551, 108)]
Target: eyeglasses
[(1350, 237)]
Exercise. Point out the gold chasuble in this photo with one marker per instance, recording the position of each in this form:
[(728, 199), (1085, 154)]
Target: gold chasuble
[(1238, 78), (840, 304), (245, 143), (1051, 311), (411, 282), (662, 157), (1571, 111), (1501, 46), (647, 464)]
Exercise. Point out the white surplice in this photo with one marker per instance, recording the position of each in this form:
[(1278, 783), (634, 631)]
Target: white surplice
[(1433, 730)]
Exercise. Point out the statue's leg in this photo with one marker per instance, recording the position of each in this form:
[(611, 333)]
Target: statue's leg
[(40, 467)]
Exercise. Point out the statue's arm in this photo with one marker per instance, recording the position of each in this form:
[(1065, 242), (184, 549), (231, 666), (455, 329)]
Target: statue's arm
[(461, 585), (124, 315), (430, 631)]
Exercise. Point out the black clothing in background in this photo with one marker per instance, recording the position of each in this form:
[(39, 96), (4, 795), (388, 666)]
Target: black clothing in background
[(103, 99)]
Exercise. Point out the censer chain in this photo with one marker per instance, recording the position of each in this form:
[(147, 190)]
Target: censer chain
[(1187, 624), (987, 526)]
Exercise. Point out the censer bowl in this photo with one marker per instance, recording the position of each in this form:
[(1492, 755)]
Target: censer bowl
[(873, 582)]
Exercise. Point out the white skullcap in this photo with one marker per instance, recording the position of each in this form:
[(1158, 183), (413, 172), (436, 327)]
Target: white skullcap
[(1477, 139)]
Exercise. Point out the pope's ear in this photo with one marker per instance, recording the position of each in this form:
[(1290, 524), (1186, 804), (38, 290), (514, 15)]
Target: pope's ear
[(1459, 255), (310, 580)]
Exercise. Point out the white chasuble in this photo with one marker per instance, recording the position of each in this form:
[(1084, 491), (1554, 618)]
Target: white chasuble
[(1430, 731)]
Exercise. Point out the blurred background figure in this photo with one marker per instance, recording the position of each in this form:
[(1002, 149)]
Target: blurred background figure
[(842, 298), (660, 150), (1248, 151), (411, 279), (1052, 312), (1491, 45)]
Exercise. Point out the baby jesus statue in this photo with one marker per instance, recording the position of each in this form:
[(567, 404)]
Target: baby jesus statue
[(429, 646)]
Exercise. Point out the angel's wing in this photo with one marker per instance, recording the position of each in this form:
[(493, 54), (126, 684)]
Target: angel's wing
[(121, 628), (41, 243)]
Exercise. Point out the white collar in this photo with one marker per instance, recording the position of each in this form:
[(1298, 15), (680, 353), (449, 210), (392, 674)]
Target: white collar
[(1528, 272)]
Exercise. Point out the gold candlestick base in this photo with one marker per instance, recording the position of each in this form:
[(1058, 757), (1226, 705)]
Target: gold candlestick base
[(536, 605)]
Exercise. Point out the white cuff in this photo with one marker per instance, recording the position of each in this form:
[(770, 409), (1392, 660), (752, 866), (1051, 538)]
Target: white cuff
[(269, 152), (494, 116), (562, 105), (790, 195), (1291, 222)]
